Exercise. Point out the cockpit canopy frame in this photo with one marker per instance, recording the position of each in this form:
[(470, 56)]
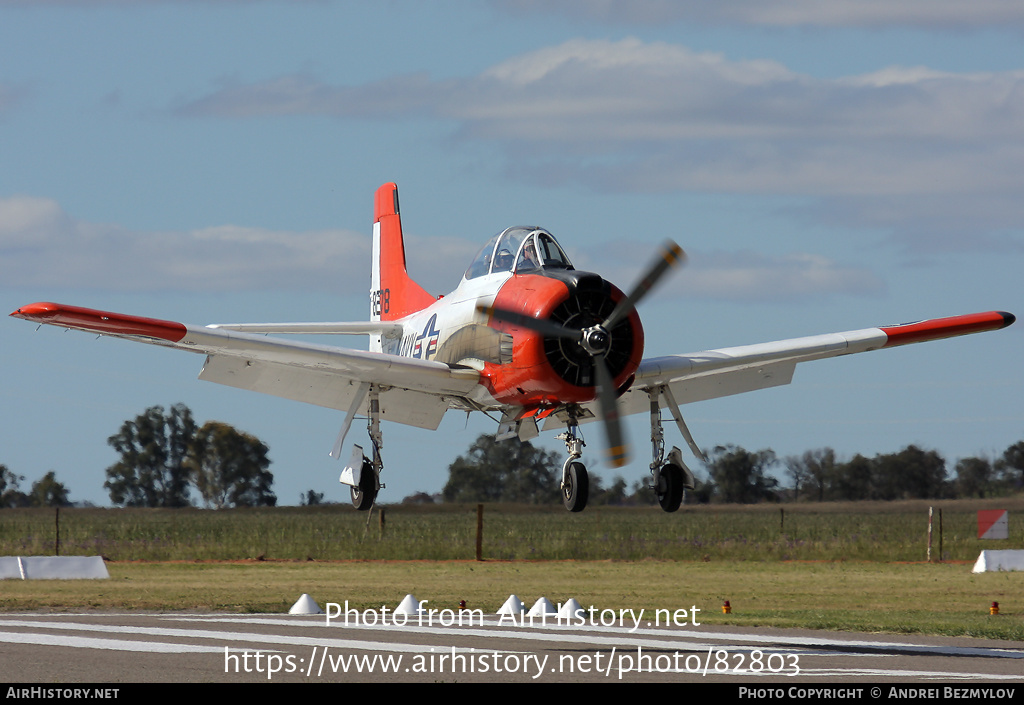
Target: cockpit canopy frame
[(520, 249)]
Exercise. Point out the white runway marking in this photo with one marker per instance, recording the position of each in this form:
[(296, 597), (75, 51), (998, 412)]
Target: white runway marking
[(652, 638), (82, 642), (875, 673), (818, 656), (260, 639)]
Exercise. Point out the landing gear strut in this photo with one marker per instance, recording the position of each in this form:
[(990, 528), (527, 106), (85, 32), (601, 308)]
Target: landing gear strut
[(671, 477), (364, 485), (575, 485)]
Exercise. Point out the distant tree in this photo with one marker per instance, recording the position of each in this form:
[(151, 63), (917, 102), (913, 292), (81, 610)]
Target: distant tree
[(813, 471), (230, 468), (10, 492), (1011, 466), (975, 477), (614, 494), (852, 481), (47, 492), (503, 471), (912, 473), (311, 498), (741, 476), (418, 498), (702, 493), (153, 470), (799, 474)]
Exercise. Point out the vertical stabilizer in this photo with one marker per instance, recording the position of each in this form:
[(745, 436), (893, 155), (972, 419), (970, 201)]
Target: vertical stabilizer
[(393, 294)]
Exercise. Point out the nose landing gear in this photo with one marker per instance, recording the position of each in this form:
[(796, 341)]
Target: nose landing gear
[(575, 483)]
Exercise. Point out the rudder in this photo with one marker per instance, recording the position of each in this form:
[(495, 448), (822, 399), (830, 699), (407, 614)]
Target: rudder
[(393, 294)]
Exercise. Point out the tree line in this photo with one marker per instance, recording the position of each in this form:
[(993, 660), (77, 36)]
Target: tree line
[(45, 492), (164, 455), (513, 471)]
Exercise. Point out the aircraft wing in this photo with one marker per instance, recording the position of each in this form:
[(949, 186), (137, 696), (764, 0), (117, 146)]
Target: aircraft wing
[(418, 391), (726, 371)]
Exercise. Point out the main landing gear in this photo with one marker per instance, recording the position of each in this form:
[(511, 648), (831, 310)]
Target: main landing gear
[(670, 477), (363, 474)]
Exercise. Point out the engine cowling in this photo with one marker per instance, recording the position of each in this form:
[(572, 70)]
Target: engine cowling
[(547, 371)]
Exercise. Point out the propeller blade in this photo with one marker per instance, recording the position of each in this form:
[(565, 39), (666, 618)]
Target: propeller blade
[(670, 255), (543, 326), (618, 449)]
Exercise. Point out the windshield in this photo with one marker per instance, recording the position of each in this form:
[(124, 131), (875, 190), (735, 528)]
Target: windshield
[(508, 246), (551, 254), (527, 247), (481, 264)]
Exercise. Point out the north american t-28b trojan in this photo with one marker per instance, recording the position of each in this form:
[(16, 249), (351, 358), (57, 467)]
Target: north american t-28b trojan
[(525, 338)]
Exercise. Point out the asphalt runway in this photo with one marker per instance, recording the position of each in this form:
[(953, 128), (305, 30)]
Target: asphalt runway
[(181, 648)]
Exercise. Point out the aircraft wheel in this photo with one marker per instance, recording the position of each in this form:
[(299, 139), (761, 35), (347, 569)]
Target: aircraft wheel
[(576, 488), (364, 495), (670, 488)]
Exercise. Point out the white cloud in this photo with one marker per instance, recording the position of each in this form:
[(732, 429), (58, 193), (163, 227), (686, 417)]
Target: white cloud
[(635, 116), (43, 246), (622, 99), (932, 14), (86, 4), (754, 276), (739, 276)]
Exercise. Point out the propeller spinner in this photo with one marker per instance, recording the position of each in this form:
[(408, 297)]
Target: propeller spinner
[(595, 341)]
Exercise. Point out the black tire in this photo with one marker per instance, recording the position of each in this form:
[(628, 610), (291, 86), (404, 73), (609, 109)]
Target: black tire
[(576, 488), (364, 495), (670, 488)]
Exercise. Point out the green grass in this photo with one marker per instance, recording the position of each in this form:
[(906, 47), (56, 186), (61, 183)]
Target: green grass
[(944, 599), (838, 566), (870, 531)]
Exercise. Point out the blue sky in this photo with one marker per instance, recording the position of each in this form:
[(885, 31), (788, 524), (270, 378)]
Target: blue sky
[(827, 165)]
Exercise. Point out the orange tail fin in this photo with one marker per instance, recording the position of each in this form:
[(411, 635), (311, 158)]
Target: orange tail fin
[(393, 294)]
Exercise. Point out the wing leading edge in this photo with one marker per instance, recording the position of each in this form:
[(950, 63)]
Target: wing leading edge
[(418, 392), (727, 371)]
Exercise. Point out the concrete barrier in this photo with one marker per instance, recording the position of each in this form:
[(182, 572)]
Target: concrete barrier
[(52, 567), (999, 560)]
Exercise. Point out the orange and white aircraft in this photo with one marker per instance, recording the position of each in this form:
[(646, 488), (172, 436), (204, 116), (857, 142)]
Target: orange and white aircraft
[(525, 338)]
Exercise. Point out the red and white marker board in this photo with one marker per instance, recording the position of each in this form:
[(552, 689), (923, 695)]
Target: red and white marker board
[(993, 524)]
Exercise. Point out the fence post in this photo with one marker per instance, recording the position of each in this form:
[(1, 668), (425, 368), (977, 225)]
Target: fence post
[(929, 534), (480, 532)]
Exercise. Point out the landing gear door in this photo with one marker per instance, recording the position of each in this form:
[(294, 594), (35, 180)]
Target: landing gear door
[(354, 469)]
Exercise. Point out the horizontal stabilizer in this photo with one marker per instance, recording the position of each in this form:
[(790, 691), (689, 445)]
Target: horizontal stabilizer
[(386, 328)]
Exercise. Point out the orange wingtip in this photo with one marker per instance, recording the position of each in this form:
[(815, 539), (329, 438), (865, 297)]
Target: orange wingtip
[(938, 328), (103, 322)]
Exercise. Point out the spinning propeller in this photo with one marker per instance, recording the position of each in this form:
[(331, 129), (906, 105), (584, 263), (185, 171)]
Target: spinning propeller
[(596, 340)]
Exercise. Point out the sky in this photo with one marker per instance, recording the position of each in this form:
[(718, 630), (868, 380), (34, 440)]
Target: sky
[(827, 165)]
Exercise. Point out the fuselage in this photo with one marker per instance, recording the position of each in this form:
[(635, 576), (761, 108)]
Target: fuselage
[(524, 270)]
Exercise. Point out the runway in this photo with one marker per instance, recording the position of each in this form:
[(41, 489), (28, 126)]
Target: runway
[(138, 648)]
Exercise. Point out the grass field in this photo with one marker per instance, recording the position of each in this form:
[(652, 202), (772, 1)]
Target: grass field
[(828, 566), (923, 598), (869, 531)]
